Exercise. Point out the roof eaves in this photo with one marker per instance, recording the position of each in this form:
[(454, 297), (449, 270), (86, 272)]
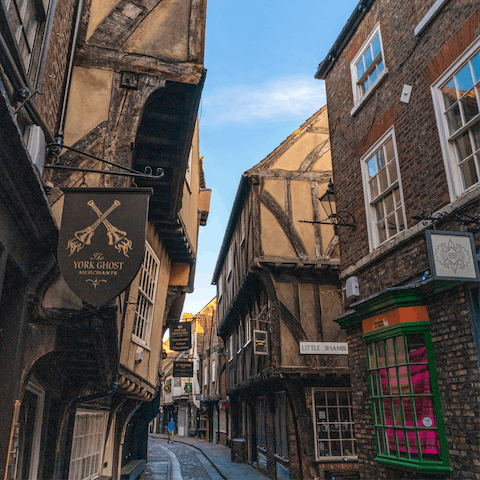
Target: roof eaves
[(345, 35)]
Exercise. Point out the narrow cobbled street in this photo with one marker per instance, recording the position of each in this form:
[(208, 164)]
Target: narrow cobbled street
[(192, 459)]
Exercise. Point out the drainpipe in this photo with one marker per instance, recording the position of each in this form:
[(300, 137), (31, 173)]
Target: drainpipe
[(68, 79)]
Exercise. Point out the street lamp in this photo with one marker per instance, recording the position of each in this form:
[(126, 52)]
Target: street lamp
[(334, 218)]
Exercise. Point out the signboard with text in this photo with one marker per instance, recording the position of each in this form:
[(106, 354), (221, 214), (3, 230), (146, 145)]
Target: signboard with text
[(260, 342), (183, 369), (323, 348), (180, 336), (102, 240)]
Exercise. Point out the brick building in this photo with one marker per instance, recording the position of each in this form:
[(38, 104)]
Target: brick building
[(402, 90), (277, 295), (84, 83)]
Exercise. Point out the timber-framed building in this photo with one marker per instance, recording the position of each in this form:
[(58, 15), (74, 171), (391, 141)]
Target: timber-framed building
[(277, 288)]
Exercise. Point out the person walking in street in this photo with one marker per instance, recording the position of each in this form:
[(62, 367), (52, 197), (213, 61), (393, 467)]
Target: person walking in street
[(171, 430)]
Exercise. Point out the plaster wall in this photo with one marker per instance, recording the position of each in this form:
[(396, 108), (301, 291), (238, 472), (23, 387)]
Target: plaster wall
[(294, 156), (164, 32), (302, 209), (277, 189), (275, 242), (89, 102), (99, 10)]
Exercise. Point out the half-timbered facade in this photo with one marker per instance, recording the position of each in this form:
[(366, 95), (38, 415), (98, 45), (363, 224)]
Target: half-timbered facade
[(277, 290), (121, 85)]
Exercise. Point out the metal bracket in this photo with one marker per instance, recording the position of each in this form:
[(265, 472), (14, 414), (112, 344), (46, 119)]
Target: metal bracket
[(129, 172)]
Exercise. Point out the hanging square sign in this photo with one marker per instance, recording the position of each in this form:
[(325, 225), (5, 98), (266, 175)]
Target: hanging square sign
[(102, 240), (452, 256), (260, 342), (180, 336)]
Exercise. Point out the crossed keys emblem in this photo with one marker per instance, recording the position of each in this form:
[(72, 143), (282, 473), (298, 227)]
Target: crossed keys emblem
[(116, 237)]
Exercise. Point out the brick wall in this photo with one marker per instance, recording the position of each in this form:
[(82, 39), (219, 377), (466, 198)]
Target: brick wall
[(417, 62), (409, 60), (50, 102)]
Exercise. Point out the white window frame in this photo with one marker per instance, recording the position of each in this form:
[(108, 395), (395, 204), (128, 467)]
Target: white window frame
[(147, 293), (230, 262), (454, 178), (359, 96), (188, 173), (83, 450), (214, 370), (220, 287), (230, 348), (373, 237), (248, 330), (205, 374), (317, 421)]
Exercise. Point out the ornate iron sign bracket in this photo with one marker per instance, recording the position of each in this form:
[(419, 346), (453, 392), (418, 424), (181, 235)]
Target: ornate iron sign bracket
[(128, 172)]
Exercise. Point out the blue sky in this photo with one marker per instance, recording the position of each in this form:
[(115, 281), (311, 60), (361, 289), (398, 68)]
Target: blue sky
[(261, 57)]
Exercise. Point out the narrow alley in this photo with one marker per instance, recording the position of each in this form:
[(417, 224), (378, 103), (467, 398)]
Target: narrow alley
[(192, 459)]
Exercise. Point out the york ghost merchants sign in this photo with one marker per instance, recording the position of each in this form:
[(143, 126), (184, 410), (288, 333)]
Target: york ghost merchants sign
[(102, 240)]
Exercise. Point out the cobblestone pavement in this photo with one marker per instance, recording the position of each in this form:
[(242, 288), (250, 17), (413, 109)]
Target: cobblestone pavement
[(192, 459)]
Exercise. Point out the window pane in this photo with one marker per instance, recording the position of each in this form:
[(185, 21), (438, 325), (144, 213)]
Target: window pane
[(373, 76), (365, 85), (400, 348), (389, 151), (389, 207), (392, 225), (379, 210), (372, 167), (367, 57), (390, 352), (381, 354), (416, 348), (476, 67), (454, 119), (476, 135), (403, 377), (464, 147), (373, 188), (469, 104), (382, 180), (469, 172), (360, 68), (464, 80), (381, 160), (380, 67), (376, 46), (449, 94)]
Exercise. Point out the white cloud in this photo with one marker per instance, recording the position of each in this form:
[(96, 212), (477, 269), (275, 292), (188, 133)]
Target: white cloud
[(288, 98)]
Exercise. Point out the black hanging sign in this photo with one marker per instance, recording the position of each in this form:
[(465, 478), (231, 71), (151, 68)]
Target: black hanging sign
[(180, 336), (102, 240), (260, 342), (183, 369)]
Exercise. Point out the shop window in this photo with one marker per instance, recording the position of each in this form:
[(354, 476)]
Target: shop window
[(405, 400), (281, 435), (334, 426), (87, 446), (147, 291)]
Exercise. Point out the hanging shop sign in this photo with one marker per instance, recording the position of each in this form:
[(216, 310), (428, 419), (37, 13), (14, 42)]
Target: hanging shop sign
[(260, 342), (183, 369), (102, 240), (180, 336), (323, 348), (452, 256)]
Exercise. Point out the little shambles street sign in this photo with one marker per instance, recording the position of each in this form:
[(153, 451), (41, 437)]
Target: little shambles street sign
[(102, 240), (183, 369), (180, 336), (323, 348)]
